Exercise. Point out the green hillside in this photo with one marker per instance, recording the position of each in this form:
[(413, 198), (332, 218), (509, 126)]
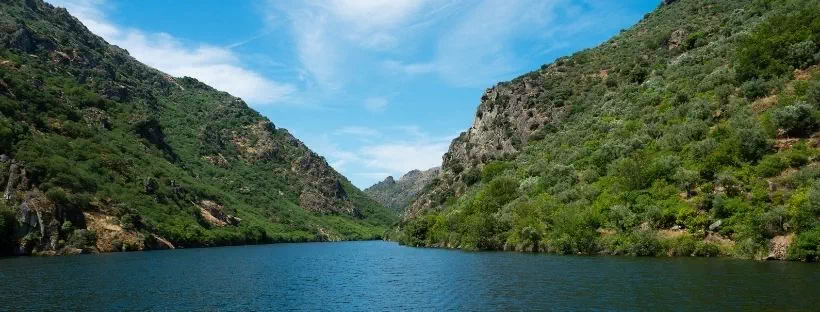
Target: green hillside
[(103, 153), (695, 132)]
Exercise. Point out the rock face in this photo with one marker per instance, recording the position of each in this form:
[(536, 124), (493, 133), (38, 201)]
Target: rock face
[(506, 119), (216, 215), (323, 190), (779, 247), (397, 195)]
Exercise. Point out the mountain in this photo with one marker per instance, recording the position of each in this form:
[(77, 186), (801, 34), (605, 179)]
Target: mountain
[(103, 153), (694, 132), (397, 195)]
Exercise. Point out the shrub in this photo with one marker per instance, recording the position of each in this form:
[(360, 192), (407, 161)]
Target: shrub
[(82, 239), (683, 245), (802, 54), (813, 94), (806, 246), (755, 89), (493, 169), (797, 119), (771, 165), (644, 243), (7, 227), (471, 176), (778, 44), (753, 142), (706, 249)]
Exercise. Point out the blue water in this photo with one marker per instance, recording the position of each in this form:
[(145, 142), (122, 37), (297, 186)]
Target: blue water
[(379, 276)]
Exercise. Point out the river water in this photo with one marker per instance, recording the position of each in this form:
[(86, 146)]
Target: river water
[(382, 276)]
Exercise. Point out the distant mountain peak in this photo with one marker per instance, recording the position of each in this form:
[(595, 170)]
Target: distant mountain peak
[(398, 194)]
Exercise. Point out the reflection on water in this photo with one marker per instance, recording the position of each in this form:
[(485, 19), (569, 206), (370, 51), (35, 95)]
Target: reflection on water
[(384, 276)]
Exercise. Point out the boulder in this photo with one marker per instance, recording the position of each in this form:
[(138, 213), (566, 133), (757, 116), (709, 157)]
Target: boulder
[(715, 226), (14, 177), (779, 247)]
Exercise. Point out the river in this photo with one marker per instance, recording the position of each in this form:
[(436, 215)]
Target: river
[(379, 276)]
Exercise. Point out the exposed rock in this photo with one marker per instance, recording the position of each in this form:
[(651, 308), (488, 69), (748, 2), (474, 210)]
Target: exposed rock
[(322, 190), (257, 142), (215, 214), (779, 247), (324, 235), (97, 118), (397, 195), (23, 39), (158, 242), (715, 226), (111, 236), (505, 121), (14, 176), (676, 39), (217, 160)]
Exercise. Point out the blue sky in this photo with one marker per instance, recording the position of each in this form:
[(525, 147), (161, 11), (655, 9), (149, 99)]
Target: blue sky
[(378, 87)]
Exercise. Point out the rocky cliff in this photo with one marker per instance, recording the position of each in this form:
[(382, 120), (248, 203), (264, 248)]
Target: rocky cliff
[(696, 132), (397, 195), (101, 152), (507, 118)]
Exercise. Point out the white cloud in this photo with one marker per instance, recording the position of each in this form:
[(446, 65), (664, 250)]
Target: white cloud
[(329, 35), (372, 23), (399, 158), (218, 67), (375, 104), (410, 68), (482, 42), (376, 159), (358, 131)]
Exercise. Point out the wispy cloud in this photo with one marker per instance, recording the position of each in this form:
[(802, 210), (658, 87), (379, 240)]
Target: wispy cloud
[(217, 66), (358, 131), (375, 104), (376, 159)]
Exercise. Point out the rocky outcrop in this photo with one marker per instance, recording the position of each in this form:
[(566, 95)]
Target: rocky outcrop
[(111, 236), (506, 119), (397, 195), (322, 189), (779, 247), (256, 143), (215, 214)]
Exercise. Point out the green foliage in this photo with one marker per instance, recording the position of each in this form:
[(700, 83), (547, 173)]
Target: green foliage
[(472, 176), (806, 247), (670, 141), (786, 40), (494, 169), (797, 119), (106, 133), (706, 249), (755, 89), (7, 227)]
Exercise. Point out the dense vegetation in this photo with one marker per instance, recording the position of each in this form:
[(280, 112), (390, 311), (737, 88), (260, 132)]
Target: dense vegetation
[(97, 131), (695, 132)]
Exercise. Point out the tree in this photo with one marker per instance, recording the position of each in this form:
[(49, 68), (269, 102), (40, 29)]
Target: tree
[(687, 179), (797, 119)]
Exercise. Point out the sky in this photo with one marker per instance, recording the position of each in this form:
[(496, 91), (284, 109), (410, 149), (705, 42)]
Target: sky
[(378, 87)]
